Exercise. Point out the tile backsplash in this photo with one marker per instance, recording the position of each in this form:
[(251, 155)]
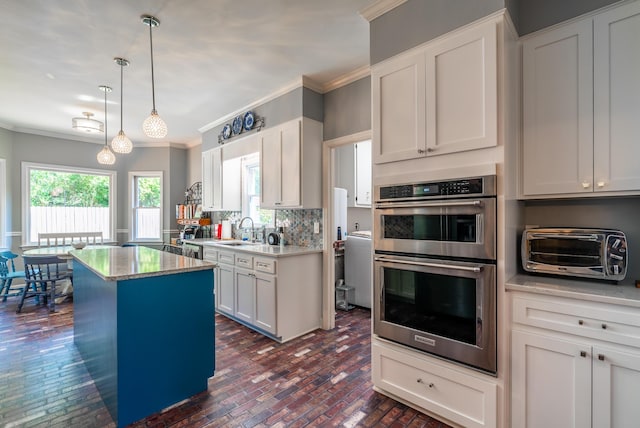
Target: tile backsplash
[(297, 223)]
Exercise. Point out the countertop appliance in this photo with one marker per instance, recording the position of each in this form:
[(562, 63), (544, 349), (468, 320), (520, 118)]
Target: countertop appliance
[(435, 268), (273, 238), (581, 252)]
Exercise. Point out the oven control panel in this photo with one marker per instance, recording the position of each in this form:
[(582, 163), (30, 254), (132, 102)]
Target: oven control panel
[(479, 186)]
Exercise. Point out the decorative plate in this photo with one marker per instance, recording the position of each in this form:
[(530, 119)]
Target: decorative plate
[(248, 121), (226, 131), (237, 125)]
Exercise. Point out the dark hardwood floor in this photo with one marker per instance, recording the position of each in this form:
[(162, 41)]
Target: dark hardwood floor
[(322, 379)]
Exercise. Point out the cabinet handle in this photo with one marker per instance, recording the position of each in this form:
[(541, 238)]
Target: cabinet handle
[(583, 354), (420, 151), (601, 357), (600, 184), (430, 150), (604, 326), (586, 184), (430, 385), (580, 322)]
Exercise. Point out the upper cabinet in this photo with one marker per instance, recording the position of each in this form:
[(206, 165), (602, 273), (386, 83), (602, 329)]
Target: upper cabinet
[(437, 99), (581, 104), (291, 165), (218, 175), (353, 172)]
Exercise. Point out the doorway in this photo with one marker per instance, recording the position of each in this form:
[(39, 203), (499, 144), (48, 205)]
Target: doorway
[(332, 149)]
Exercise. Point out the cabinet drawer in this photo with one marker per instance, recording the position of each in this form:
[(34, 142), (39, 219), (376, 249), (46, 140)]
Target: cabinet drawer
[(244, 261), (461, 398), (618, 324), (209, 254), (265, 265), (226, 257)]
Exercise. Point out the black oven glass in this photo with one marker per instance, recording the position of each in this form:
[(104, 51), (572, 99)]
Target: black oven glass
[(438, 304), (565, 252), (435, 227)]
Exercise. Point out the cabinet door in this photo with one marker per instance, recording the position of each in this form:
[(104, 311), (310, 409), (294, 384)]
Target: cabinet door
[(270, 168), (291, 164), (617, 99), (245, 295), (212, 179), (225, 289), (345, 179), (266, 302), (461, 85), (398, 103), (232, 182), (558, 111), (363, 174), (551, 382), (616, 378)]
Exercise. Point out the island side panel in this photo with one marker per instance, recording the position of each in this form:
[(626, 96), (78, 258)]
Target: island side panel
[(94, 331), (166, 339)]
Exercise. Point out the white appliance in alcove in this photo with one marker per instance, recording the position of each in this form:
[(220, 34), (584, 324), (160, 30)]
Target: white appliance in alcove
[(358, 266)]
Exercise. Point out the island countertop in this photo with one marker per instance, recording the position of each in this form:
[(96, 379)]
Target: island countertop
[(120, 263)]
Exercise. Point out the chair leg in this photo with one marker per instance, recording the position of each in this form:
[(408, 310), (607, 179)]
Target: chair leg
[(22, 296), (52, 301), (2, 285)]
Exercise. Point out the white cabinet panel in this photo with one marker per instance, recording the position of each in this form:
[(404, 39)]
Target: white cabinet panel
[(245, 286), (212, 179), (363, 174), (225, 289), (270, 168), (265, 316), (291, 174)]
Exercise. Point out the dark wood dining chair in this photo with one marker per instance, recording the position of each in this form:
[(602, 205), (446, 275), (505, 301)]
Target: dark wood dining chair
[(42, 276)]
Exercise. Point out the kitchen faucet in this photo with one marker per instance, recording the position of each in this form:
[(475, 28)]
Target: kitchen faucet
[(252, 227)]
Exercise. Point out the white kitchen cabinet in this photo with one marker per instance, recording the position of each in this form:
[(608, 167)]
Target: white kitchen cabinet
[(353, 173), (581, 101), (438, 98), (212, 179), (221, 182), (574, 363), (434, 386), (279, 297), (290, 165)]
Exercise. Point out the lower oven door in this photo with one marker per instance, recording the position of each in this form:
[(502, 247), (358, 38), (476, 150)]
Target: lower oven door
[(442, 307)]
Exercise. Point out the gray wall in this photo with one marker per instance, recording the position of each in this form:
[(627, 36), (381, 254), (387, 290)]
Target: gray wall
[(418, 21), (17, 147), (613, 213), (347, 110), (530, 15)]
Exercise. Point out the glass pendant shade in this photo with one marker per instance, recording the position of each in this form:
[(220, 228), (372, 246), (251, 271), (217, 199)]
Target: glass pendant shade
[(121, 143), (106, 156), (86, 124), (154, 126)]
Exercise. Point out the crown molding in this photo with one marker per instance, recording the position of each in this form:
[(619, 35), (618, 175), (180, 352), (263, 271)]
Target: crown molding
[(312, 84), (345, 79), (379, 8)]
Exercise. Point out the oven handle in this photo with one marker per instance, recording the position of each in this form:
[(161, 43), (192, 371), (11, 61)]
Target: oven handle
[(586, 237), (389, 205), (475, 269)]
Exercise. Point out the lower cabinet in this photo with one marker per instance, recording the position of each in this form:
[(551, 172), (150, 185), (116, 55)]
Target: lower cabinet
[(574, 363), (433, 387), (279, 297)]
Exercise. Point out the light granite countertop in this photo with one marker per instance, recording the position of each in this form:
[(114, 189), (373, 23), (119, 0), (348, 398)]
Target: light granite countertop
[(257, 249), (121, 263), (595, 291)]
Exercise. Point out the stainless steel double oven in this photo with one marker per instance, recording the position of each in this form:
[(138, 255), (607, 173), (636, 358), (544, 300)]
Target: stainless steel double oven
[(435, 268)]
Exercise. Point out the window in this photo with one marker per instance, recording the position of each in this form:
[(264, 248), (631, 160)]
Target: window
[(59, 199), (251, 192), (146, 203)]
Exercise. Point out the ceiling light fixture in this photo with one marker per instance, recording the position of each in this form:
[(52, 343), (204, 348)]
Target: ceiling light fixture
[(121, 143), (153, 126), (86, 124), (106, 156)]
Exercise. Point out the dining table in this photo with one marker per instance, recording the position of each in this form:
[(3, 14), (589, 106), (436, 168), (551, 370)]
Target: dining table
[(62, 251)]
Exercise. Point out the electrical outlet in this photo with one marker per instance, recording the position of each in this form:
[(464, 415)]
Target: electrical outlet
[(316, 227)]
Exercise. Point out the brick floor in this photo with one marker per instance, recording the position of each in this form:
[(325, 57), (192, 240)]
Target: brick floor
[(322, 379)]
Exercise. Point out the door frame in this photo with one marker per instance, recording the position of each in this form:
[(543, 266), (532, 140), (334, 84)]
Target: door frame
[(328, 254)]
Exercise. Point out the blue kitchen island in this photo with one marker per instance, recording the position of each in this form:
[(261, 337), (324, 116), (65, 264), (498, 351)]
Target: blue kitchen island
[(144, 325)]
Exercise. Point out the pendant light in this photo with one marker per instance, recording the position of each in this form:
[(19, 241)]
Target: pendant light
[(153, 126), (106, 156), (121, 143)]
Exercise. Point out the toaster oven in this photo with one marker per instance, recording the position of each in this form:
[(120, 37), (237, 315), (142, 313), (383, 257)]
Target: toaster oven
[(586, 253)]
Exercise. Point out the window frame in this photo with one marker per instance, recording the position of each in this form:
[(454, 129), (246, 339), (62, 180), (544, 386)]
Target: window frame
[(133, 175), (26, 194)]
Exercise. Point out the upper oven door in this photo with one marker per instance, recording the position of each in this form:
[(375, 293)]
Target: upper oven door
[(450, 228)]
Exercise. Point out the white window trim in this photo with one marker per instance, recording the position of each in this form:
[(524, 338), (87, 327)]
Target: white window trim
[(26, 194), (132, 176), (3, 204)]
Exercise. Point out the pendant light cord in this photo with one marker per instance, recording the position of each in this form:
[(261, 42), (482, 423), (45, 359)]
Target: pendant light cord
[(105, 117), (121, 74), (153, 88)]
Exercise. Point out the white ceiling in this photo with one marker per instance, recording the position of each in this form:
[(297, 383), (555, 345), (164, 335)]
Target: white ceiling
[(211, 58)]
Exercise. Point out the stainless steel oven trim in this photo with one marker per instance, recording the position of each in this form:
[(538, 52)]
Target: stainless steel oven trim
[(482, 355), (484, 248), (488, 184)]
